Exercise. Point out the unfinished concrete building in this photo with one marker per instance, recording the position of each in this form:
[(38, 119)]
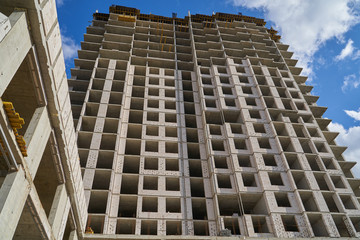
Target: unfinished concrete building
[(202, 126), (41, 191), (186, 128)]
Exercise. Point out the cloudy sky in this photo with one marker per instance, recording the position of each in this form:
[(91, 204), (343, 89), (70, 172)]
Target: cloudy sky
[(324, 34)]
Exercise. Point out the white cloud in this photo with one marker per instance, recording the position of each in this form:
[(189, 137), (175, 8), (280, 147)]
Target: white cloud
[(348, 51), (350, 82), (59, 2), (306, 24), (349, 138), (69, 47), (354, 114)]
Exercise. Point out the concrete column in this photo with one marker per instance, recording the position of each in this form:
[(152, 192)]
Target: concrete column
[(13, 50), (59, 211), (37, 136), (13, 194)]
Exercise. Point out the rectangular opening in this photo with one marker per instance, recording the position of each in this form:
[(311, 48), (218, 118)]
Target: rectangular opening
[(215, 129), (289, 223), (97, 202), (293, 161), (347, 202), (151, 146), (153, 103), (134, 131), (148, 227), (171, 164), (101, 179), (171, 147), (244, 160), (195, 168), (192, 135), (308, 202), (193, 151), (330, 202), (152, 130), (227, 90), (275, 179), (129, 184), (250, 101), (108, 142), (269, 160), (149, 204), (255, 114), (232, 224), (172, 184), (300, 180), (223, 181), (228, 205), (138, 92), (338, 182), (136, 117), (236, 128), (210, 103), (197, 187), (240, 143), (199, 209), (125, 226), (170, 117), (230, 102), (201, 228), (217, 145), (151, 163), (249, 180), (341, 226), (225, 80), (247, 90), (133, 147), (313, 162), (264, 143), (150, 183), (105, 159), (153, 81), (282, 200), (173, 205), (131, 164), (260, 225), (318, 226), (321, 182), (152, 116), (127, 206), (220, 162), (259, 128), (173, 228)]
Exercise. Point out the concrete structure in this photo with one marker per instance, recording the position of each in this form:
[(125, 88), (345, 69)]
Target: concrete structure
[(198, 127), (41, 191), (203, 126)]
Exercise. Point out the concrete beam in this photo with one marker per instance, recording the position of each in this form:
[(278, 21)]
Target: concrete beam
[(59, 211), (13, 195), (73, 235), (36, 136), (39, 214), (14, 48)]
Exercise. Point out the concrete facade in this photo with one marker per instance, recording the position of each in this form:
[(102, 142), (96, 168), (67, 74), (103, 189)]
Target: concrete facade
[(41, 191), (169, 128), (202, 127)]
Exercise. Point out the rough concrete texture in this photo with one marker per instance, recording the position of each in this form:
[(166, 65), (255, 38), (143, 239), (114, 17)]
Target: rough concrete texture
[(193, 129)]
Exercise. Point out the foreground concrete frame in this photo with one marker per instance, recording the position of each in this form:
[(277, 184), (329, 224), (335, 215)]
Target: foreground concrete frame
[(41, 195)]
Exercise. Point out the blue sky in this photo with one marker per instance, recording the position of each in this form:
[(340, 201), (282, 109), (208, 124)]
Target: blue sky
[(324, 34)]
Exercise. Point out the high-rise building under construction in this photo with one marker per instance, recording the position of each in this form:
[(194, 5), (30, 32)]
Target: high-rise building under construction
[(193, 126), (200, 127)]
